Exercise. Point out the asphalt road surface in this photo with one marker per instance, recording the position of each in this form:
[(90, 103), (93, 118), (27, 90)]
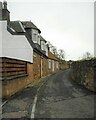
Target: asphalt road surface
[(55, 97), (61, 98)]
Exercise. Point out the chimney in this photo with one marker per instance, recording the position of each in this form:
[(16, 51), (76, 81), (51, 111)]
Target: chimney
[(5, 5), (0, 5), (0, 10), (4, 13)]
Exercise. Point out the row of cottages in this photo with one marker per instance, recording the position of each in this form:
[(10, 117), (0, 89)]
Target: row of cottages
[(24, 54)]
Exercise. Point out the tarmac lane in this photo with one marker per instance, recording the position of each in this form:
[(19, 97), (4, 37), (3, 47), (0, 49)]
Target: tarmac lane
[(59, 97)]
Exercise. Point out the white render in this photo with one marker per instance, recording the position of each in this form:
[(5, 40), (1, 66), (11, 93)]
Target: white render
[(14, 46), (0, 39)]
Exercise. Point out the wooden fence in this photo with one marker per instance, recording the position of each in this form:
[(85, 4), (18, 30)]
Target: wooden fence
[(11, 68)]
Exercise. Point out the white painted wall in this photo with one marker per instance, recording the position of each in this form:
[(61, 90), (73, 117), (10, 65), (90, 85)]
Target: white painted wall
[(14, 46), (0, 39)]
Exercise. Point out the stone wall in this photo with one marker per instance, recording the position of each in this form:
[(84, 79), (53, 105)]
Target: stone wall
[(40, 66), (50, 70), (84, 73), (44, 67), (63, 65), (36, 65)]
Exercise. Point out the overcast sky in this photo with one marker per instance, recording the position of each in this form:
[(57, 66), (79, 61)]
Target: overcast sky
[(67, 25)]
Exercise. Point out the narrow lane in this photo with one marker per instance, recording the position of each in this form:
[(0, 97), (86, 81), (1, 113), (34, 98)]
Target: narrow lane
[(59, 97)]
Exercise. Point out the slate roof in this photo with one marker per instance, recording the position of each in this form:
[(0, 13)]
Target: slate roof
[(29, 24), (17, 26), (42, 39)]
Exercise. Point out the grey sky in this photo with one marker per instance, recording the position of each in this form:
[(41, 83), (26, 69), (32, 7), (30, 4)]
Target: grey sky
[(67, 25)]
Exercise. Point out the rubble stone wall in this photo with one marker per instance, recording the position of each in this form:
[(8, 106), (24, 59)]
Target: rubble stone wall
[(84, 73)]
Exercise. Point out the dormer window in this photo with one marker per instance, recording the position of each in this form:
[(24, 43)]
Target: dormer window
[(43, 45), (38, 39), (34, 37)]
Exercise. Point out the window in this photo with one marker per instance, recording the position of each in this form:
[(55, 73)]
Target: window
[(57, 65), (43, 45), (53, 65), (38, 39), (34, 37), (49, 64)]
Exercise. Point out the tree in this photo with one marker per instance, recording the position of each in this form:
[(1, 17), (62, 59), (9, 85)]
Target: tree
[(87, 56), (54, 50), (61, 54)]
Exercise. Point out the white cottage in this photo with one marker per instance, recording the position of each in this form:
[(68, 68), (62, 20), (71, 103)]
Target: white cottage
[(13, 44)]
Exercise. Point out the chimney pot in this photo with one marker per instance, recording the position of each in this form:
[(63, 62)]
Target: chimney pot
[(5, 4)]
